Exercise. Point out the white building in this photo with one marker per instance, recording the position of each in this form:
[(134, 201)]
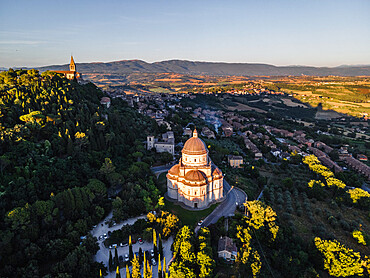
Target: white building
[(167, 144), (195, 181)]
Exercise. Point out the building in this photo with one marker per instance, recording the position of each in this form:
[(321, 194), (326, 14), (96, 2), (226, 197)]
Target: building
[(167, 144), (206, 132), (227, 248), (195, 181), (72, 73), (187, 131), (235, 161), (105, 101)]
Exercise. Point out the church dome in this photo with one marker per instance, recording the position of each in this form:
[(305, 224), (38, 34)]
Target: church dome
[(174, 170), (195, 145), (195, 176)]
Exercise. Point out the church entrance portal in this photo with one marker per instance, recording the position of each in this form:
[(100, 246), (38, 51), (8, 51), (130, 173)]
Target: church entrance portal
[(195, 205)]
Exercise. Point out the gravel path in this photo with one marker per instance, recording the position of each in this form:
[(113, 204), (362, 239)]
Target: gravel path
[(103, 254)]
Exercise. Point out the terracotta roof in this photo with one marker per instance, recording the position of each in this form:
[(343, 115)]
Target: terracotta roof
[(195, 176), (174, 170), (217, 172), (226, 244), (105, 100), (195, 145)]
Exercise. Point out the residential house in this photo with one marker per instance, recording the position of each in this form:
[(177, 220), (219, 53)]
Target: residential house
[(235, 161), (227, 249)]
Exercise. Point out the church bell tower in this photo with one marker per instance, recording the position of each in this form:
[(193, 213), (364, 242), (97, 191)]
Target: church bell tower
[(72, 66)]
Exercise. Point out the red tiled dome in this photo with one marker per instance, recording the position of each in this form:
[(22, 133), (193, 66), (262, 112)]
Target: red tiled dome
[(195, 145)]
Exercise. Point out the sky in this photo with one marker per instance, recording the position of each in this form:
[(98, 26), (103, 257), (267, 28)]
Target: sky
[(278, 32)]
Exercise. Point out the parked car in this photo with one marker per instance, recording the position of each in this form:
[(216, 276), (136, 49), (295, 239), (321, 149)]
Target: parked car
[(101, 237), (140, 240), (152, 253), (109, 233), (120, 258), (127, 258), (105, 236), (200, 222), (153, 262), (133, 241), (112, 246), (123, 244)]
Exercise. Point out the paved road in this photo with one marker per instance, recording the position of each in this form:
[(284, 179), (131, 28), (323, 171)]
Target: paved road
[(234, 196), (161, 169), (364, 187), (103, 254)]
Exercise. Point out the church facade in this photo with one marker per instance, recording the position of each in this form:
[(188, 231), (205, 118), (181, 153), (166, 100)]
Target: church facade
[(195, 181), (72, 73)]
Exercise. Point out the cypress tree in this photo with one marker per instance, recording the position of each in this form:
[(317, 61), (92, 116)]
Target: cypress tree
[(130, 252), (144, 264), (127, 272), (155, 248), (118, 274), (110, 261), (140, 254), (159, 266), (164, 271), (116, 262), (154, 238), (160, 246)]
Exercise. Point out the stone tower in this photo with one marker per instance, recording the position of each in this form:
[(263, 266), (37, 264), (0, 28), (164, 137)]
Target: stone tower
[(72, 65)]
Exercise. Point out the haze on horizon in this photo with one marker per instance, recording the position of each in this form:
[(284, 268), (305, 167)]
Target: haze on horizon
[(312, 33)]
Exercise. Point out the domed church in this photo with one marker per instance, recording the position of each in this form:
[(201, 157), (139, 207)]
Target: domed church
[(195, 181)]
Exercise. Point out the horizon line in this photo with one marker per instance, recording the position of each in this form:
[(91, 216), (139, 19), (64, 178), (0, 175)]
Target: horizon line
[(196, 61)]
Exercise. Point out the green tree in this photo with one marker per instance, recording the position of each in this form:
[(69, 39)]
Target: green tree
[(130, 252), (118, 274), (116, 261), (127, 272), (135, 272), (110, 261)]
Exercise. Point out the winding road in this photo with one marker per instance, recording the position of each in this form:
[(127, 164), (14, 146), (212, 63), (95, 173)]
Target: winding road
[(233, 197)]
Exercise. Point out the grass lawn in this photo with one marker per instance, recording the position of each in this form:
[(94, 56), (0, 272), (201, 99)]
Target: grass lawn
[(187, 217)]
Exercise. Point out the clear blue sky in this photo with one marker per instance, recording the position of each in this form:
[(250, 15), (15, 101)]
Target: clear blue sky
[(280, 32)]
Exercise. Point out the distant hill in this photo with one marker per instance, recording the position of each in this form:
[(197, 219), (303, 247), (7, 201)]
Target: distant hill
[(211, 68)]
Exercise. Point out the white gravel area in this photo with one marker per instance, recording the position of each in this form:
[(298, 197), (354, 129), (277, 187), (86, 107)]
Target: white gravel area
[(103, 253)]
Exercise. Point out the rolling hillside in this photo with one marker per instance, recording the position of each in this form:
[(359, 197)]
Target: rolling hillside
[(211, 68)]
